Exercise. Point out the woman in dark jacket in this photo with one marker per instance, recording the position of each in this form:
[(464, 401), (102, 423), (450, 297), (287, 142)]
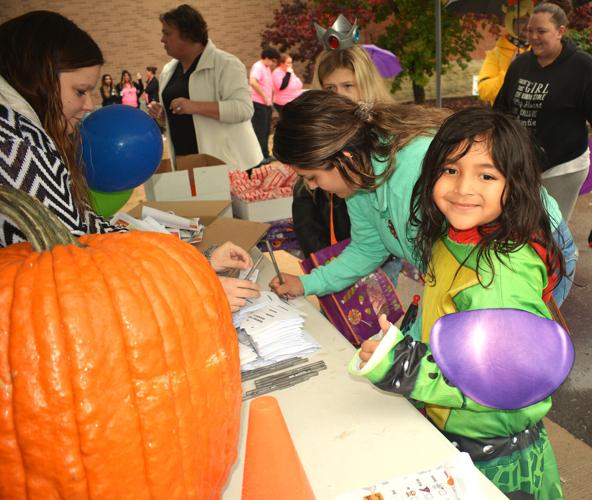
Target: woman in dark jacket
[(109, 94)]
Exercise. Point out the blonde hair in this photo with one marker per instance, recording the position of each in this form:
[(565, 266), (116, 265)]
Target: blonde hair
[(371, 85)]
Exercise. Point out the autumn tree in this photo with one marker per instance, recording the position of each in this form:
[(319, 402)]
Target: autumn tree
[(410, 33), (292, 29), (408, 30)]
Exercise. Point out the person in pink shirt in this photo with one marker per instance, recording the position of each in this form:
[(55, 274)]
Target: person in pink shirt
[(128, 90), (261, 93), (286, 85)]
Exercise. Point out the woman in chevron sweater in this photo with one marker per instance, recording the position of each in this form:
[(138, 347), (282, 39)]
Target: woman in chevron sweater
[(48, 68)]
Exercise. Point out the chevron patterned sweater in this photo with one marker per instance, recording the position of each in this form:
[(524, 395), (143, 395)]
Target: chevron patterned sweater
[(30, 162)]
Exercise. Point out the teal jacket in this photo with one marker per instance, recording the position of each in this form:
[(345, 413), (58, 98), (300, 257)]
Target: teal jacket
[(370, 212)]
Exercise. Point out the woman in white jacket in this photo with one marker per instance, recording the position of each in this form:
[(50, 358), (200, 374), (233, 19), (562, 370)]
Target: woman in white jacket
[(205, 94)]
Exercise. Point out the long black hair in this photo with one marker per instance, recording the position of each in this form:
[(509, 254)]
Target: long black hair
[(523, 218)]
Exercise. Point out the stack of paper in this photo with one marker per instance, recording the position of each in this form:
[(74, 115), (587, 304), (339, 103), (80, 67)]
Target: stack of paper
[(271, 330), (189, 230)]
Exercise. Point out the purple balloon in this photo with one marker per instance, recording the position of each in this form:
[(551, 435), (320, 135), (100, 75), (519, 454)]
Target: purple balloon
[(587, 186), (502, 358), (386, 62)]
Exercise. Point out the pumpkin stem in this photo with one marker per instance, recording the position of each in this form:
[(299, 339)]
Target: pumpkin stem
[(42, 229)]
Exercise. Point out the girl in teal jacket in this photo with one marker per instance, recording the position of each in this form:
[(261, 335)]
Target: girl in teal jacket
[(486, 242)]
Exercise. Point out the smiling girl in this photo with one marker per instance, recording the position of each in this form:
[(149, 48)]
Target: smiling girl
[(486, 241)]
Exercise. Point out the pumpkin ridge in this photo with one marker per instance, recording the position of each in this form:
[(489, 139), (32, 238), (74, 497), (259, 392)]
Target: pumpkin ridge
[(92, 253), (19, 475), (146, 267), (38, 395), (142, 360), (69, 363), (183, 255), (197, 313)]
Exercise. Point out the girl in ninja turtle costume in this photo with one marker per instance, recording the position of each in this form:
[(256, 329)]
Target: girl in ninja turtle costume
[(485, 241)]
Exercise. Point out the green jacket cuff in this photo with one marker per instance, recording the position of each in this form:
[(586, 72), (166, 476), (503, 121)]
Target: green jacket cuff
[(381, 360)]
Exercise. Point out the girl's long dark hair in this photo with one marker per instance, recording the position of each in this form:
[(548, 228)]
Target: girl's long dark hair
[(36, 48), (523, 216), (316, 128)]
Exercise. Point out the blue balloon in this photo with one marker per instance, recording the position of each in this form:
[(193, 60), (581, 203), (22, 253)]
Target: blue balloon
[(121, 148)]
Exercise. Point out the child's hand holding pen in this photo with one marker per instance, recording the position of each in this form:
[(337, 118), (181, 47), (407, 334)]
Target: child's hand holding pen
[(291, 286), (285, 285)]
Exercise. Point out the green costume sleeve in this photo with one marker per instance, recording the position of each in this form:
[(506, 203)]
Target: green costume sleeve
[(405, 366)]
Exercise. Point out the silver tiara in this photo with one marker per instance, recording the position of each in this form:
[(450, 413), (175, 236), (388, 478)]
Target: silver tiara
[(341, 35)]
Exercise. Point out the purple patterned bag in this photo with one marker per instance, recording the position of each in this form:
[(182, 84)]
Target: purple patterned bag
[(355, 310)]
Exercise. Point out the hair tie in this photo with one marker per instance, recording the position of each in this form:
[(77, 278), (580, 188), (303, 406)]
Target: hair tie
[(364, 111)]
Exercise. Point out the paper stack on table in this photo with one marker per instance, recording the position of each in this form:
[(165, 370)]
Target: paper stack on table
[(189, 230), (270, 330)]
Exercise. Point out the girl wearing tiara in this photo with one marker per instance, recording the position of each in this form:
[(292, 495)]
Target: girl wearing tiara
[(486, 242)]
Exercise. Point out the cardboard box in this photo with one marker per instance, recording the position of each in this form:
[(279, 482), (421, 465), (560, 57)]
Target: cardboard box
[(215, 216), (207, 211), (198, 177), (263, 211)]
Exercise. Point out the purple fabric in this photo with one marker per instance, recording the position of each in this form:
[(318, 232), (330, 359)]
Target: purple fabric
[(587, 186), (386, 62), (281, 236), (502, 358), (355, 310)]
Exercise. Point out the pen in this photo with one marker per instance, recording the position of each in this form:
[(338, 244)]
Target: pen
[(266, 370), (257, 262), (277, 269), (280, 385), (290, 374)]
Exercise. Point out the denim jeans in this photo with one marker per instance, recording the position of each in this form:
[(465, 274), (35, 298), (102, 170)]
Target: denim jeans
[(563, 238)]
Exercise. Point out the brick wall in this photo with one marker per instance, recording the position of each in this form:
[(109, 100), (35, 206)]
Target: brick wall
[(129, 32)]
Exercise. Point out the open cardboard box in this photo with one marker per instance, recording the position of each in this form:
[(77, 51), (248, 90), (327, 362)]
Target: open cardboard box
[(263, 211), (214, 215), (197, 177)]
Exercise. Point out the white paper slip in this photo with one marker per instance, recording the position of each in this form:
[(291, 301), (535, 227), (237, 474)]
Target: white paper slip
[(169, 219), (455, 479), (123, 219)]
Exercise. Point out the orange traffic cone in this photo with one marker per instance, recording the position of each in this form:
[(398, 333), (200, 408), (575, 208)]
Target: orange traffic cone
[(272, 467)]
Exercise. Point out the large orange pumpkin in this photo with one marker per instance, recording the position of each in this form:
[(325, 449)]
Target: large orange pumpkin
[(119, 369)]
